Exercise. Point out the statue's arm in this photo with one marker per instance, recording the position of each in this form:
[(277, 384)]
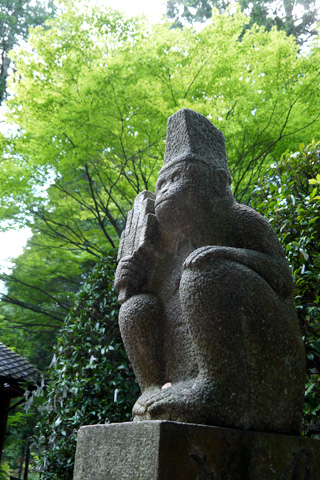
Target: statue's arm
[(130, 277), (274, 271), (256, 247)]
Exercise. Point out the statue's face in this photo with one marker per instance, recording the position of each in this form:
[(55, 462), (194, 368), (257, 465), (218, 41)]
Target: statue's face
[(182, 194)]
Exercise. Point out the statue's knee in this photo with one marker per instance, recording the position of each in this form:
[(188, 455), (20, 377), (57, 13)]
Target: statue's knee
[(212, 275), (223, 285), (140, 311)]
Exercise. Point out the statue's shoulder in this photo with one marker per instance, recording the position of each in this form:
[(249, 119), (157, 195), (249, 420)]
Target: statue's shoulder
[(249, 216), (253, 230)]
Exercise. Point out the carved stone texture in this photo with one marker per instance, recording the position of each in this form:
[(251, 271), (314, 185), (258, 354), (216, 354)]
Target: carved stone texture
[(139, 238), (174, 451), (207, 315)]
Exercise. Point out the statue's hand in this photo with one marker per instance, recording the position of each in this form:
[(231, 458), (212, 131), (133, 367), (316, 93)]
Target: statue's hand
[(130, 276), (201, 256)]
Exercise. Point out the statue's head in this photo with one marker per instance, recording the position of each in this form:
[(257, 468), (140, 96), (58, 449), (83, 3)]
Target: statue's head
[(195, 169)]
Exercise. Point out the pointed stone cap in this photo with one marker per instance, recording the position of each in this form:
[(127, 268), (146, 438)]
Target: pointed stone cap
[(191, 135)]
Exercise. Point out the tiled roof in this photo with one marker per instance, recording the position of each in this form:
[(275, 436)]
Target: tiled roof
[(15, 368)]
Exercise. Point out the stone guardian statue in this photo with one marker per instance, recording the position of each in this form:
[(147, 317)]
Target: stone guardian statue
[(207, 315)]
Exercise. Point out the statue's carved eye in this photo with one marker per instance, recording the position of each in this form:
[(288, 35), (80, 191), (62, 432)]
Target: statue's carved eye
[(176, 177), (161, 184)]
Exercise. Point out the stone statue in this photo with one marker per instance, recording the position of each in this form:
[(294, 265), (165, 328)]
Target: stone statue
[(207, 316)]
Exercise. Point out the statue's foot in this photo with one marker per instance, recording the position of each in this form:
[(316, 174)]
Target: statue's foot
[(140, 407), (189, 401)]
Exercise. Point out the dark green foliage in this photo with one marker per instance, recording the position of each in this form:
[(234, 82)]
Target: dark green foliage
[(19, 430), (40, 290), (192, 11), (289, 197), (16, 17), (294, 17), (90, 381)]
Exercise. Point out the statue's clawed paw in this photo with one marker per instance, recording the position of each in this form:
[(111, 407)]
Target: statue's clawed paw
[(170, 403), (200, 256), (162, 405), (139, 410)]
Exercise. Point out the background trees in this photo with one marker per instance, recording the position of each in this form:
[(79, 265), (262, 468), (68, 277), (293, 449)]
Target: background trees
[(39, 294), (16, 17), (293, 17), (91, 96)]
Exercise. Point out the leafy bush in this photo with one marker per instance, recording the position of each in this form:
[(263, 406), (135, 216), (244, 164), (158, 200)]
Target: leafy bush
[(90, 380), (4, 470), (288, 196)]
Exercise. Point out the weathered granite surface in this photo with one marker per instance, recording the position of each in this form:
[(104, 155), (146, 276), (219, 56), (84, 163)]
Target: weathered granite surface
[(174, 451), (207, 315)]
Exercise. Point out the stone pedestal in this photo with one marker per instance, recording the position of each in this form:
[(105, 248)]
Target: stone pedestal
[(163, 450)]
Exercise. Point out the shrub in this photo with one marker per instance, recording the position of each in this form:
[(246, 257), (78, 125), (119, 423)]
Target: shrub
[(288, 195)]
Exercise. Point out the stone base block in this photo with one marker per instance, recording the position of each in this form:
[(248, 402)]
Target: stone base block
[(162, 450)]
